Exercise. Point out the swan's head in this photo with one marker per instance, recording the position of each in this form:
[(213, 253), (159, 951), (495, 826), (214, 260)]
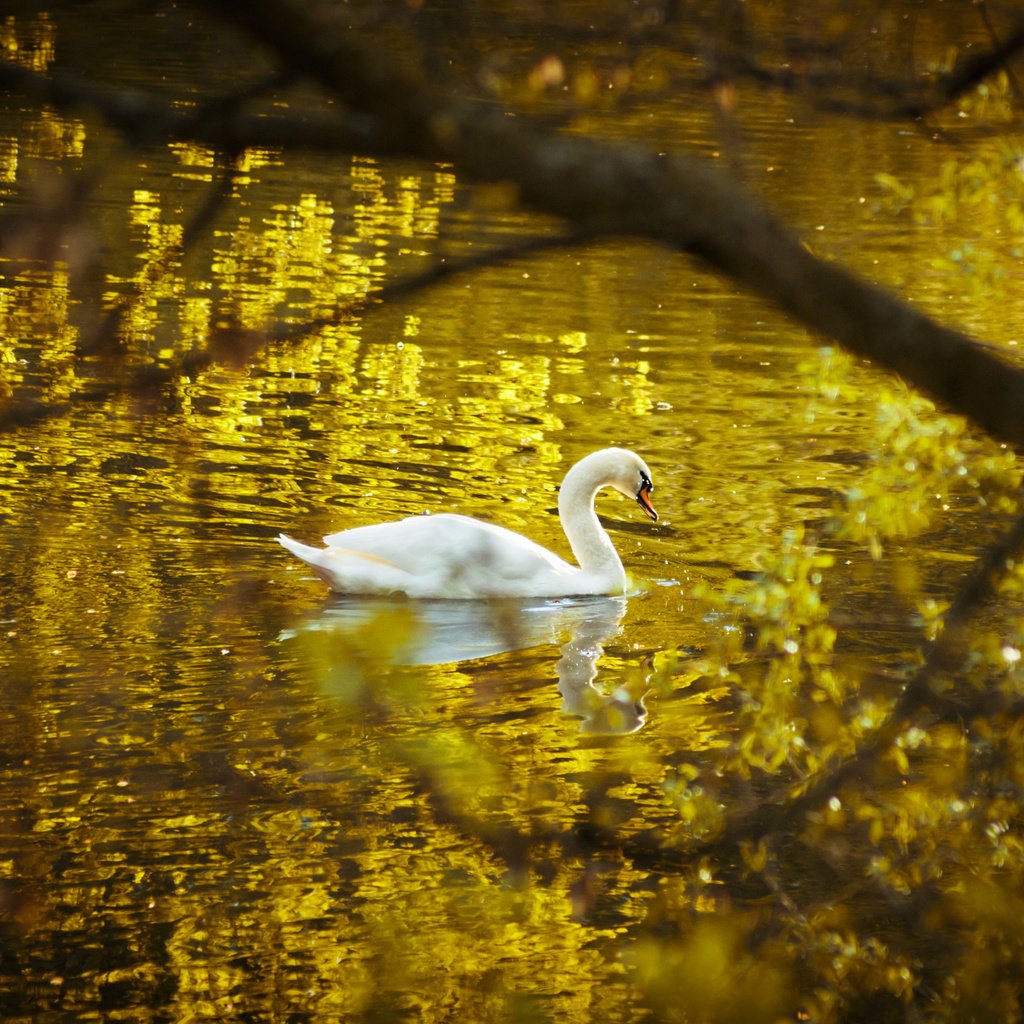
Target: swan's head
[(628, 474)]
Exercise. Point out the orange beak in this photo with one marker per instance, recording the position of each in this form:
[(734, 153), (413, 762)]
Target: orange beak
[(644, 501)]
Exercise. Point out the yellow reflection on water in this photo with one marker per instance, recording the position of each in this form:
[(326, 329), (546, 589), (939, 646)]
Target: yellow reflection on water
[(245, 806), (29, 41)]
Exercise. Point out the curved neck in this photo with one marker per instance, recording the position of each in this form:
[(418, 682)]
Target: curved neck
[(590, 544)]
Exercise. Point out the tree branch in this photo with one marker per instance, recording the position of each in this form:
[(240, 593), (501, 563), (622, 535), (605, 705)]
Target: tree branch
[(925, 686), (627, 190), (233, 346), (221, 124)]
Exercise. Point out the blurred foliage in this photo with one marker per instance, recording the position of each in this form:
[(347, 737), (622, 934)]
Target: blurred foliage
[(918, 832), (975, 197)]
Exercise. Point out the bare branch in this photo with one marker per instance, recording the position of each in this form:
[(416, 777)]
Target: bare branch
[(926, 686), (222, 124), (680, 200), (627, 190), (233, 346), (880, 98)]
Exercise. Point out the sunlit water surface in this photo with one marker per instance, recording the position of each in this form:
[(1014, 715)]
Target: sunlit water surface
[(217, 779)]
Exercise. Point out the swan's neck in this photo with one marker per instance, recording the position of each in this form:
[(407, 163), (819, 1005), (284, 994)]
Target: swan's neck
[(590, 544)]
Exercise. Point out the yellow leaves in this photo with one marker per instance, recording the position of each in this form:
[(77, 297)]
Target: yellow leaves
[(785, 602), (352, 660), (976, 199), (920, 460), (586, 86), (791, 696), (981, 182), (846, 961), (710, 974), (896, 187), (828, 373), (827, 723), (755, 855), (899, 759), (698, 809)]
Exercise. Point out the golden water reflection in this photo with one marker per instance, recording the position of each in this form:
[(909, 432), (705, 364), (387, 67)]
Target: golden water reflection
[(448, 632), (212, 796)]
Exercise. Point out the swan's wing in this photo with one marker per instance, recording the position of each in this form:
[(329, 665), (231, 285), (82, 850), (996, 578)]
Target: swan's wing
[(476, 556), (350, 571)]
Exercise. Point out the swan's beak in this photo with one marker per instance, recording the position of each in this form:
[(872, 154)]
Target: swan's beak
[(644, 501)]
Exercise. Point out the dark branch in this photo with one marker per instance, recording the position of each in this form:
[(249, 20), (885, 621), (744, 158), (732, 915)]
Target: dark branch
[(233, 346), (222, 124), (610, 190), (880, 98), (680, 200), (926, 687)]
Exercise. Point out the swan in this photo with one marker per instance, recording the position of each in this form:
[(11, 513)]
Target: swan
[(455, 556)]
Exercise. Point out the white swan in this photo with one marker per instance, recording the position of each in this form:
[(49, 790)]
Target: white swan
[(453, 556)]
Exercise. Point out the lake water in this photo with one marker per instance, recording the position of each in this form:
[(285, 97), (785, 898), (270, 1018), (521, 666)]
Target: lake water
[(214, 801)]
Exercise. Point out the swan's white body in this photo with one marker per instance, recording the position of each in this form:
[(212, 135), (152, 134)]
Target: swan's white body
[(454, 556)]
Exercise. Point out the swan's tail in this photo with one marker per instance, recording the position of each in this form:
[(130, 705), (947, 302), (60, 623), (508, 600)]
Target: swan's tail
[(313, 557), (348, 571)]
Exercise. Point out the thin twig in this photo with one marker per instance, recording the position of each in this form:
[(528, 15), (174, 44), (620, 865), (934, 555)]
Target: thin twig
[(231, 346), (1011, 76), (222, 123), (105, 336), (926, 684)]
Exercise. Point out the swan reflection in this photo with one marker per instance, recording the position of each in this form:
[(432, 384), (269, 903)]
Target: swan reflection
[(447, 632), (614, 712)]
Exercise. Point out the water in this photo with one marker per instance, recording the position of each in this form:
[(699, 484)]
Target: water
[(227, 795)]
